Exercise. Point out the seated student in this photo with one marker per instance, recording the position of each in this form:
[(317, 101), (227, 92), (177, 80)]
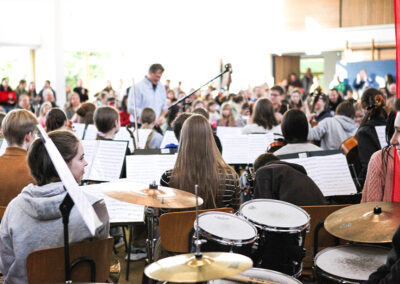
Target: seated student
[(368, 142), (199, 162), (56, 120), (284, 181), (379, 180), (106, 119), (263, 119), (2, 116), (147, 119), (84, 114), (332, 131), (19, 128), (33, 220), (172, 113), (321, 109), (295, 131), (244, 116), (227, 118), (44, 109)]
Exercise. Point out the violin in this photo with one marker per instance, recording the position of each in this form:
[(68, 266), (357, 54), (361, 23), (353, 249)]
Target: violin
[(132, 136), (276, 145), (349, 144), (68, 125), (316, 94)]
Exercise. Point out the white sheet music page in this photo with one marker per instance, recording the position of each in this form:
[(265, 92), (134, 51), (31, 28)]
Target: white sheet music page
[(148, 168), (228, 131), (108, 161), (258, 144), (82, 204), (119, 211), (380, 131), (143, 134), (89, 148), (91, 132), (169, 138), (331, 173), (3, 146), (235, 149), (124, 135), (78, 129)]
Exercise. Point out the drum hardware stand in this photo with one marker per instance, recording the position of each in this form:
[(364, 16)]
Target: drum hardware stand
[(65, 208), (197, 242)]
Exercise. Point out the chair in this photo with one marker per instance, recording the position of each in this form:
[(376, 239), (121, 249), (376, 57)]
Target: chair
[(318, 214), (176, 226), (47, 265)]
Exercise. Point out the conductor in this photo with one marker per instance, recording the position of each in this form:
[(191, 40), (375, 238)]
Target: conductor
[(149, 93)]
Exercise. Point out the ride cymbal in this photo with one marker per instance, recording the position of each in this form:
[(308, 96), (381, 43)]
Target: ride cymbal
[(371, 222), (141, 194), (188, 268)]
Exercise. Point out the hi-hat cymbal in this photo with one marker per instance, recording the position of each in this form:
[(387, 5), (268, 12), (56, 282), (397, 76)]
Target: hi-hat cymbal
[(141, 194), (187, 268), (371, 222)]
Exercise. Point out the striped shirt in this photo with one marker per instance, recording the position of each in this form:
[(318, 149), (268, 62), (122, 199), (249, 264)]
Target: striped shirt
[(228, 193)]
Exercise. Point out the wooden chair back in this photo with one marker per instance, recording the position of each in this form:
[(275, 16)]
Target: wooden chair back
[(2, 210), (176, 226), (318, 213), (47, 265)]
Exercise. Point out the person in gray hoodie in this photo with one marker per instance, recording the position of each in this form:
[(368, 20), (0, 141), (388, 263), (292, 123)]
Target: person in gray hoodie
[(32, 220), (332, 131)]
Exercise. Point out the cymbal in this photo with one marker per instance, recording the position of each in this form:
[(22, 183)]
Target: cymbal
[(141, 194), (186, 268), (370, 222)]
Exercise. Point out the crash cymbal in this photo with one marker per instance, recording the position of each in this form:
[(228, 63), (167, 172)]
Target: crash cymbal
[(137, 193), (371, 222), (187, 268)]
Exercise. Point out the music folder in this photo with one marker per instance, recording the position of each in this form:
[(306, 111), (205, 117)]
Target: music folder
[(105, 159)]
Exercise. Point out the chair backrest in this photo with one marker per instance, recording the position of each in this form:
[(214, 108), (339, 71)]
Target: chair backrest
[(2, 210), (176, 226), (47, 265), (318, 213)]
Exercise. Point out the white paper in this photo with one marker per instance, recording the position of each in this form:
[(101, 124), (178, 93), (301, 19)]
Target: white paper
[(78, 129), (143, 135), (91, 132), (89, 148), (123, 135), (148, 168), (169, 138), (3, 146), (380, 131), (244, 149), (119, 211), (82, 204), (228, 131), (331, 173)]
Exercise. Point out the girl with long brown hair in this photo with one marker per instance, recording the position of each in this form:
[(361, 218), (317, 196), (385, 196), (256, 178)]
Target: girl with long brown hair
[(200, 162), (263, 118), (227, 118)]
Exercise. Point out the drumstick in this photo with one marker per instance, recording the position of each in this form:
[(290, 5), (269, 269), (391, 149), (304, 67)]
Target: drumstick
[(246, 279), (134, 110)]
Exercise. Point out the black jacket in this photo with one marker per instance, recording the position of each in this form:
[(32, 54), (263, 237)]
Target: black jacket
[(287, 182), (390, 272)]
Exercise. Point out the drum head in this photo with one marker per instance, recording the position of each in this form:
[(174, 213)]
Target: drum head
[(226, 226), (351, 262), (274, 213), (264, 274)]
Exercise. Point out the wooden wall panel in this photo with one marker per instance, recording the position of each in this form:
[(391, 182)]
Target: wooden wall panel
[(284, 65), (367, 12)]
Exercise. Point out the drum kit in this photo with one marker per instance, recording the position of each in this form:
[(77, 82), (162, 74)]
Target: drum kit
[(269, 234)]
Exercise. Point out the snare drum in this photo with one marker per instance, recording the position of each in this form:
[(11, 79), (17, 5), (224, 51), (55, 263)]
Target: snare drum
[(226, 232), (282, 229), (263, 274), (348, 263)]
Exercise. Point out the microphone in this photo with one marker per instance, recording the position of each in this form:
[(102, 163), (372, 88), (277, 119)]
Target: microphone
[(228, 68)]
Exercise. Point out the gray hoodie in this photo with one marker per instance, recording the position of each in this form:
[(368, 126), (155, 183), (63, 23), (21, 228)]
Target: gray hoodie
[(33, 221), (332, 131)]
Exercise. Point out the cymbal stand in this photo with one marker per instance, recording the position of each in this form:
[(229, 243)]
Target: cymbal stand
[(197, 242)]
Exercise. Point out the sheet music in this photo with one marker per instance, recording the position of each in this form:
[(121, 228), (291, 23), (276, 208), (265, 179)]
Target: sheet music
[(148, 168), (108, 160), (228, 131), (124, 135), (3, 146), (380, 130), (331, 173), (91, 132), (119, 211), (169, 138), (244, 149), (85, 209), (143, 134), (78, 129), (89, 148)]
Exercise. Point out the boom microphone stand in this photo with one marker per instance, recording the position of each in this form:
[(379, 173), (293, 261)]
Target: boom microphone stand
[(228, 68)]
